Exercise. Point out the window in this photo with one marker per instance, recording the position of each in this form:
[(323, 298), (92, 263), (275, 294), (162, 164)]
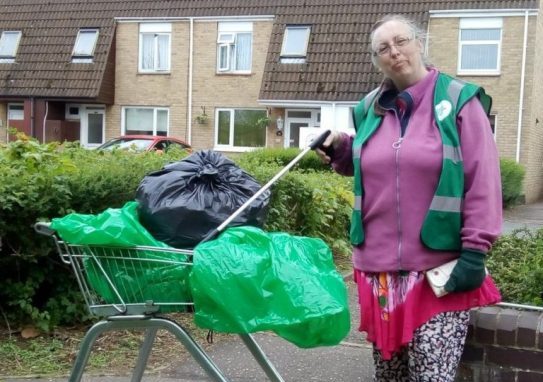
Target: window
[(295, 40), (16, 111), (234, 47), (72, 111), (238, 128), (9, 42), (145, 120), (480, 46), (155, 48), (84, 45)]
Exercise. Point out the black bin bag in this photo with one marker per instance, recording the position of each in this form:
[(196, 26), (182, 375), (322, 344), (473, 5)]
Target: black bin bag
[(186, 200)]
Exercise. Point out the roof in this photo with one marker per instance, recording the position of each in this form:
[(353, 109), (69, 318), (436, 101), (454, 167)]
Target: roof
[(337, 68)]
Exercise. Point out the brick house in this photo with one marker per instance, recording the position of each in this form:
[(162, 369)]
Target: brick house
[(233, 75)]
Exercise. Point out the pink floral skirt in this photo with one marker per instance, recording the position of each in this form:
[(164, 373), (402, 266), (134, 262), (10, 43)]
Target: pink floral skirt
[(394, 304)]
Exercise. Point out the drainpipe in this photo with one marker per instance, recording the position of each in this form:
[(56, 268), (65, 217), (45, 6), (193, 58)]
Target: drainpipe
[(334, 114), (45, 120), (32, 117), (521, 95), (188, 133)]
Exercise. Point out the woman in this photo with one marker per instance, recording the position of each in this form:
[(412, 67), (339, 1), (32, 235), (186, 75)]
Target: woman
[(427, 191)]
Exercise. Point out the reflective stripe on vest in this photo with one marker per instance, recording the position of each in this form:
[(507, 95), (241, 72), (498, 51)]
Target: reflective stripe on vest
[(442, 224)]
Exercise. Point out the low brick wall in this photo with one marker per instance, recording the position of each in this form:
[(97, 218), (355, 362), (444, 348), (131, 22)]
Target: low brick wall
[(503, 345)]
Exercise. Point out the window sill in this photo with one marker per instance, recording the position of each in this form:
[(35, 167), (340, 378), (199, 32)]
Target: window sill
[(292, 60), (154, 72), (234, 149), (236, 74), (478, 73)]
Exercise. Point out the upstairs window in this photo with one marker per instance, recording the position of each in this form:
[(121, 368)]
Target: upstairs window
[(85, 43), (9, 42), (155, 40), (295, 41), (234, 47), (480, 46)]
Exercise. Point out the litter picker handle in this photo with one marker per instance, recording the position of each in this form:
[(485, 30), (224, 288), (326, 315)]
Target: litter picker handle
[(312, 146), (44, 228), (317, 144)]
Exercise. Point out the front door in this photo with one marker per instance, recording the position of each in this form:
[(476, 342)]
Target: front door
[(296, 119), (293, 132), (92, 126)]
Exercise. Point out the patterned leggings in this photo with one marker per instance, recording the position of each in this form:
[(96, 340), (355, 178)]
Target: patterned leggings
[(432, 355)]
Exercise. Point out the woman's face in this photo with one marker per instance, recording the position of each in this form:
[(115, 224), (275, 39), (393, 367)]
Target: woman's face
[(398, 53)]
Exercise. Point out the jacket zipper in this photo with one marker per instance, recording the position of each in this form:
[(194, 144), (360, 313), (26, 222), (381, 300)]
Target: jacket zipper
[(396, 146)]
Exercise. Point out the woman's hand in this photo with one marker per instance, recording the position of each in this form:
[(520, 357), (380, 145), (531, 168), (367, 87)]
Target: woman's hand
[(326, 151), (469, 273)]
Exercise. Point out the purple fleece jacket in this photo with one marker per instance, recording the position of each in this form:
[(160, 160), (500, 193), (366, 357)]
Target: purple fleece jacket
[(399, 185)]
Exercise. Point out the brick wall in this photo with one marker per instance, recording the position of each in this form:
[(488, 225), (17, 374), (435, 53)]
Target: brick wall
[(210, 90), (156, 90), (534, 138), (504, 89), (503, 345), (213, 90)]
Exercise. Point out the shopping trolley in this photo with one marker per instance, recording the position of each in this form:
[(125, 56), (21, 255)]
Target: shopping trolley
[(108, 278)]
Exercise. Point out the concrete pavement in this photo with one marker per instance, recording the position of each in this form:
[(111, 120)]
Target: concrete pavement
[(524, 216)]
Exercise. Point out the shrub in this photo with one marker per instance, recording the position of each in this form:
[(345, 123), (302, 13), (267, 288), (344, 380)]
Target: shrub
[(303, 203), (512, 175), (281, 157), (516, 264), (39, 182)]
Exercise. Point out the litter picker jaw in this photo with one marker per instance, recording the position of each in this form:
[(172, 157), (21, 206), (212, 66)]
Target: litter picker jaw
[(313, 145)]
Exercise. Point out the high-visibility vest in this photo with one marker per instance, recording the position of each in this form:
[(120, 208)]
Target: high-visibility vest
[(443, 221)]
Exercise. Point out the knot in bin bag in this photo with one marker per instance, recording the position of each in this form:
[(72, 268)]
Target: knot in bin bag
[(187, 200), (248, 280)]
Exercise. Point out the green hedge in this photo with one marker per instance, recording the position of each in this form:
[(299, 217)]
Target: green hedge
[(281, 157), (40, 182), (516, 264), (512, 175)]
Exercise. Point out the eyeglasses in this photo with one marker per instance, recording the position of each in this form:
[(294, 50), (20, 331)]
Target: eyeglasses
[(399, 42)]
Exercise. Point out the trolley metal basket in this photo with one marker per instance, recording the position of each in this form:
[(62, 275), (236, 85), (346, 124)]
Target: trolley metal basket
[(109, 279)]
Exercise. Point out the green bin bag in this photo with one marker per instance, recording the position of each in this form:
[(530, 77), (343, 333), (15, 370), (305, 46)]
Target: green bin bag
[(248, 280), (136, 282)]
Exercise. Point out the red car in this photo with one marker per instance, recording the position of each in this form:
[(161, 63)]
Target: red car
[(144, 143)]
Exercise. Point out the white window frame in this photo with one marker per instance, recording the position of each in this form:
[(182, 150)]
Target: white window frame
[(72, 116), (156, 29), (302, 53), (480, 23), (226, 40), (155, 113), (9, 57), (11, 112), (230, 147), (80, 55)]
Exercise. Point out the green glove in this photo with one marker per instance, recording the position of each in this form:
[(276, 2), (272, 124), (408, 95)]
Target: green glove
[(469, 273)]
